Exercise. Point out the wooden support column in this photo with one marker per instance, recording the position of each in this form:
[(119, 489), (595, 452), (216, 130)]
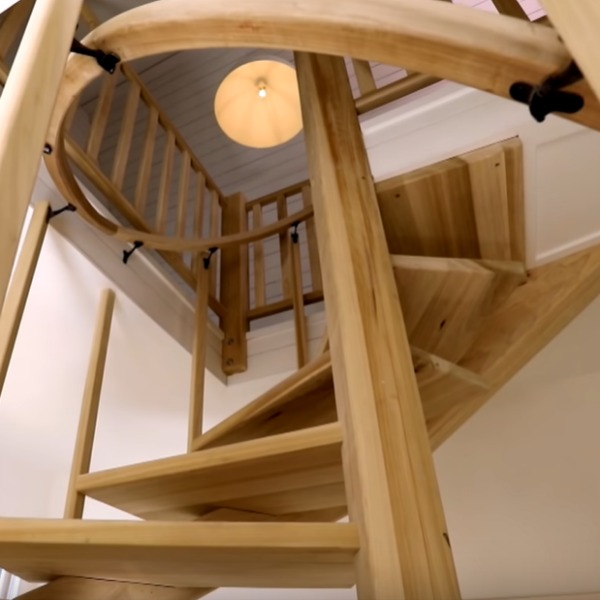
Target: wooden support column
[(16, 298), (26, 105), (392, 491), (298, 300), (199, 353), (234, 287), (89, 409)]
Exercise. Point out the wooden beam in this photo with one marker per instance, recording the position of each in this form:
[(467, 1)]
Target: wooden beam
[(521, 326), (391, 487), (234, 288), (364, 76), (577, 23), (191, 555), (199, 354), (300, 328), (26, 105), (76, 588), (88, 418), (16, 298)]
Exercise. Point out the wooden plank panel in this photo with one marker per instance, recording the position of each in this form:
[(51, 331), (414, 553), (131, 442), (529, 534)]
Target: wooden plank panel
[(101, 114), (489, 194), (26, 105), (185, 487), (77, 588), (182, 198), (145, 168), (125, 135), (186, 555), (16, 298), (234, 287), (311, 238), (88, 417), (259, 260), (164, 187), (390, 478), (429, 212)]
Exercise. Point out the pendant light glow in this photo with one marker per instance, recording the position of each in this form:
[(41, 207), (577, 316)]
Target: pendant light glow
[(258, 104)]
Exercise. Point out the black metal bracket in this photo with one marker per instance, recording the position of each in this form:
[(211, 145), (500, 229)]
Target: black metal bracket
[(549, 97), (294, 234), (107, 60), (206, 259), (127, 253), (54, 213)]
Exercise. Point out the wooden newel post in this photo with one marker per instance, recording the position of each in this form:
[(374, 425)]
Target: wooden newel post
[(234, 287), (391, 486)]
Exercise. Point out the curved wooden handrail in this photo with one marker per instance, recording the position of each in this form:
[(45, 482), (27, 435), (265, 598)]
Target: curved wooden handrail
[(486, 51)]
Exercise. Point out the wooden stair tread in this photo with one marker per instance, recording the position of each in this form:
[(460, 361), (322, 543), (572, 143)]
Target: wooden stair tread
[(189, 555), (80, 588), (288, 473), (444, 300), (307, 395)]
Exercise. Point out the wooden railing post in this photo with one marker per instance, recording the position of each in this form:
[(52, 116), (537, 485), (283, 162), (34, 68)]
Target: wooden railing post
[(26, 105), (391, 487), (12, 311), (234, 287), (89, 410)]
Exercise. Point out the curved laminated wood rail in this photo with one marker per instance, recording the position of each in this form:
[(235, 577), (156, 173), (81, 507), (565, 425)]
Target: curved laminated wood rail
[(489, 52)]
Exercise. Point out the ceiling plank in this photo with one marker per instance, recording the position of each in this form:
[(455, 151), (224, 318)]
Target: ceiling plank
[(521, 326)]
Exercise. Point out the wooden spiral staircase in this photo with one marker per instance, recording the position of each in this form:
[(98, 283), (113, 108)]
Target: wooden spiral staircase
[(430, 311)]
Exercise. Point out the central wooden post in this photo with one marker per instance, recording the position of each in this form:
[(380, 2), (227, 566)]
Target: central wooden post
[(392, 491)]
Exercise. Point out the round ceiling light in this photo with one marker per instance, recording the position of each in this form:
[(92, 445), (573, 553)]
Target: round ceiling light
[(258, 104)]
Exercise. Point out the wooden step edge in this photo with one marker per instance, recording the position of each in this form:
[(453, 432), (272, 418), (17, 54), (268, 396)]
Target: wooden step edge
[(221, 456), (300, 382)]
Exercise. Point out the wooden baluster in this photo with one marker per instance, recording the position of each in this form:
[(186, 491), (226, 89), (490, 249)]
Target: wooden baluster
[(26, 106), (165, 183), (141, 188), (198, 214), (182, 198), (284, 249), (125, 135), (215, 221), (12, 25), (364, 76), (313, 247), (16, 298), (234, 287), (86, 431), (298, 301), (100, 118), (392, 492), (199, 354), (259, 259)]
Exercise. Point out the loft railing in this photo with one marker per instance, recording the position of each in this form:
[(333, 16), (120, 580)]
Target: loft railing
[(152, 179)]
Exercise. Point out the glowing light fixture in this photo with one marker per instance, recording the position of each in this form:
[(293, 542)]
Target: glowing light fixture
[(258, 104)]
